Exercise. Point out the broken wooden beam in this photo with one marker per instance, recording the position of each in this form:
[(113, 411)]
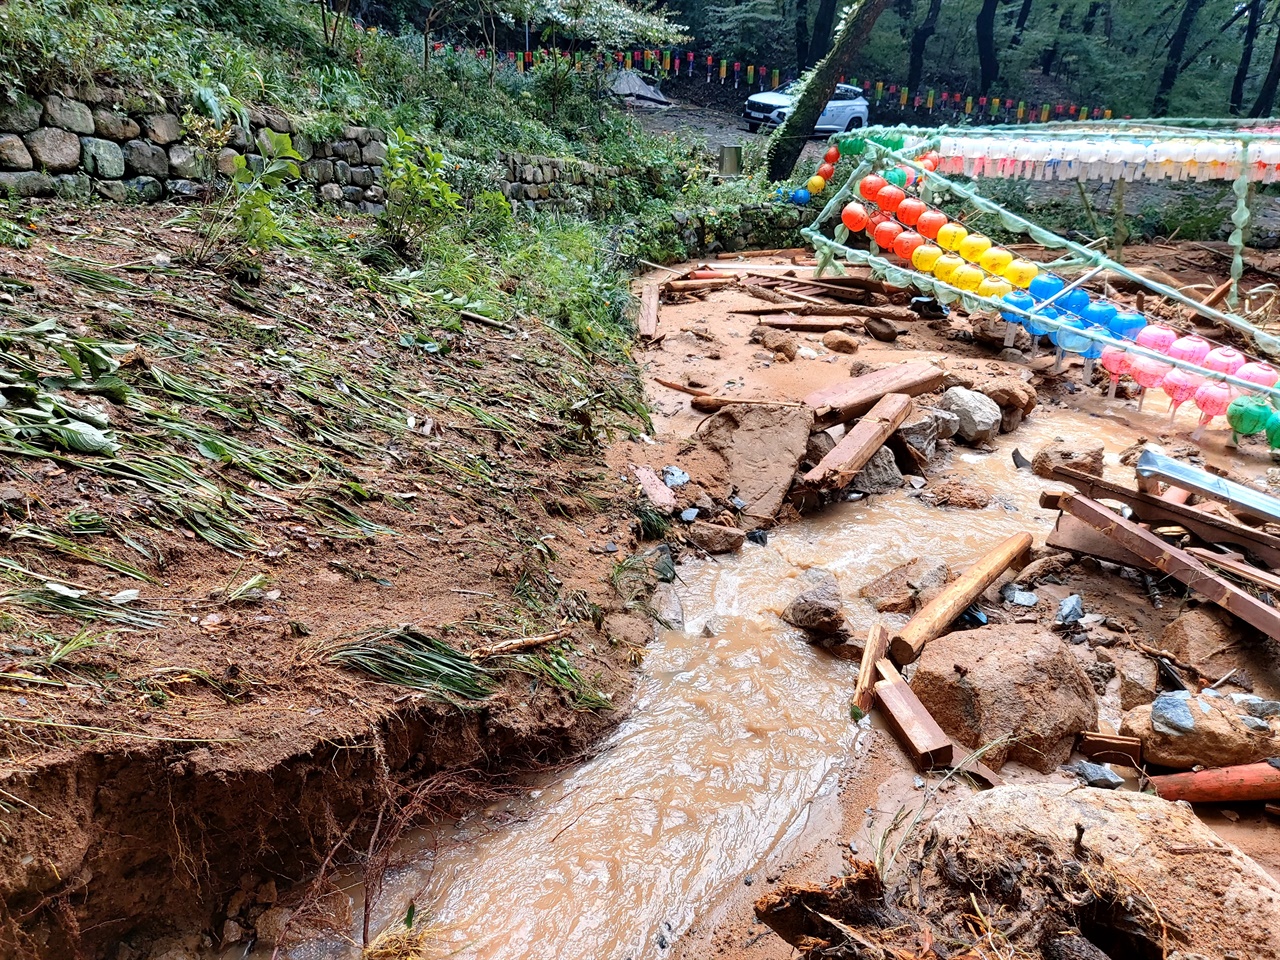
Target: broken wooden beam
[(1175, 562), (694, 286), (877, 646), (1152, 509), (838, 468), (658, 493), (1080, 538), (941, 612), (682, 387), (712, 404), (925, 742), (1249, 781), (1110, 748), (781, 321), (845, 401), (648, 319), (753, 254), (1263, 578)]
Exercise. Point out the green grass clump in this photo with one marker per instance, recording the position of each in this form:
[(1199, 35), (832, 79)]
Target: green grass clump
[(410, 658)]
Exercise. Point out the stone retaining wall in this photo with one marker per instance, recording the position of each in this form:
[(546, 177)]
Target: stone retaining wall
[(132, 148), (544, 183)]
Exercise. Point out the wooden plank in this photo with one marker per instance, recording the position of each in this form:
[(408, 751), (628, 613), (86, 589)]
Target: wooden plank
[(877, 646), (1263, 578), (1109, 748), (1177, 563), (712, 404), (683, 388), (648, 319), (940, 612), (856, 447), (1078, 537), (782, 321), (918, 733), (752, 254), (693, 286), (1249, 781), (659, 493), (853, 398), (795, 292), (1153, 509)]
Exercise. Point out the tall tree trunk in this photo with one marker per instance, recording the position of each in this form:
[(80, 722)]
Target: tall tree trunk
[(919, 40), (1023, 13), (823, 24), (1177, 44), (802, 35), (788, 141), (988, 62), (1236, 100), (1267, 95)]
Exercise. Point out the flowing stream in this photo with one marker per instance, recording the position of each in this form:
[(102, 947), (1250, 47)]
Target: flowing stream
[(733, 737)]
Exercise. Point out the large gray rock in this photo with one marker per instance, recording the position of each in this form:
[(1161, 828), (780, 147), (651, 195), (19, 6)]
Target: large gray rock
[(114, 126), (1182, 731), (317, 171), (907, 585), (21, 116), (330, 193), (879, 475), (144, 159), (1015, 683), (14, 154), (1086, 459), (819, 608), (189, 163), (73, 186), (113, 190), (28, 183), (760, 446), (979, 414), (227, 161), (68, 114), (362, 176), (143, 189), (162, 128), (53, 149), (101, 158), (374, 153), (921, 434)]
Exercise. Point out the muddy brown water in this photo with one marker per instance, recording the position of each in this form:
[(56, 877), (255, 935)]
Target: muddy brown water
[(732, 742)]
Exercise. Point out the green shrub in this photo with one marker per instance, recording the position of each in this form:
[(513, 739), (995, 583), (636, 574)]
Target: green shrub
[(419, 197)]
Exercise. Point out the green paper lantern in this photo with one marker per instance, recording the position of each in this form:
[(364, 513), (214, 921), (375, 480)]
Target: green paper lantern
[(852, 147), (1247, 416), (1273, 430), (897, 176)]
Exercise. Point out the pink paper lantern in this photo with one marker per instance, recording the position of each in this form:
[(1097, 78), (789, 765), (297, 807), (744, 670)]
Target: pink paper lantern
[(1156, 337), (1255, 371), (1181, 386), (1149, 372), (1212, 398), (1191, 348), (1116, 362), (1224, 360)]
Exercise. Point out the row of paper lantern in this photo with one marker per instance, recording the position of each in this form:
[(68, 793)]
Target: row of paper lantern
[(974, 263)]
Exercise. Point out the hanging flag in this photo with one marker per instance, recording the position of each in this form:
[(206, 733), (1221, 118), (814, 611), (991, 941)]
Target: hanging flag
[(751, 74), (710, 61), (1044, 113), (724, 69), (968, 105), (775, 79), (929, 100), (666, 60)]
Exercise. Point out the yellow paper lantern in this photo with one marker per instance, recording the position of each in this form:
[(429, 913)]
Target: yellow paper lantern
[(951, 235), (994, 287), (1021, 272), (816, 184), (973, 246), (925, 257), (995, 260), (946, 267), (967, 277)]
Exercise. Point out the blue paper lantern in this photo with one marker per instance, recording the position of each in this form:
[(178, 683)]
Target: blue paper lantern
[(1045, 285), (1019, 299), (1074, 301), (1040, 329), (800, 196), (1126, 324)]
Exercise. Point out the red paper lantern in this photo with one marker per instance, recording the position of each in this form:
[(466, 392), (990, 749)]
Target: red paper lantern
[(875, 221), (827, 171), (906, 243), (854, 216), (886, 233), (889, 197), (910, 210), (872, 185), (930, 222), (832, 156)]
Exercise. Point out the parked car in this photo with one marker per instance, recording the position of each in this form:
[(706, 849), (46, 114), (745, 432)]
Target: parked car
[(846, 110)]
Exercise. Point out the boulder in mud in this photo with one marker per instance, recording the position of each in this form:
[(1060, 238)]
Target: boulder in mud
[(716, 538), (1182, 731), (819, 608), (920, 433), (879, 475), (1018, 682), (1015, 397), (1074, 874), (955, 491), (907, 585), (841, 341), (1216, 644), (1139, 677), (761, 446), (979, 414), (1086, 459), (819, 445), (777, 341)]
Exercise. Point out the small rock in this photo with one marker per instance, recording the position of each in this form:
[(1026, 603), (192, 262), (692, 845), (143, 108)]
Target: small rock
[(921, 434), (113, 190), (1070, 609), (841, 341), (900, 590), (819, 445), (162, 128), (818, 609), (1182, 731), (28, 183), (14, 154), (1096, 775), (780, 342), (1087, 460), (610, 547), (759, 537), (879, 475), (232, 932), (22, 115), (270, 925), (674, 477), (948, 423), (666, 604), (689, 515), (1013, 593), (143, 189), (880, 329), (114, 126), (101, 158), (188, 162), (918, 782), (1100, 674), (145, 159), (714, 538)]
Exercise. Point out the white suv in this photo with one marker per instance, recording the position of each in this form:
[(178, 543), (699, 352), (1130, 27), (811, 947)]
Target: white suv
[(846, 110)]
